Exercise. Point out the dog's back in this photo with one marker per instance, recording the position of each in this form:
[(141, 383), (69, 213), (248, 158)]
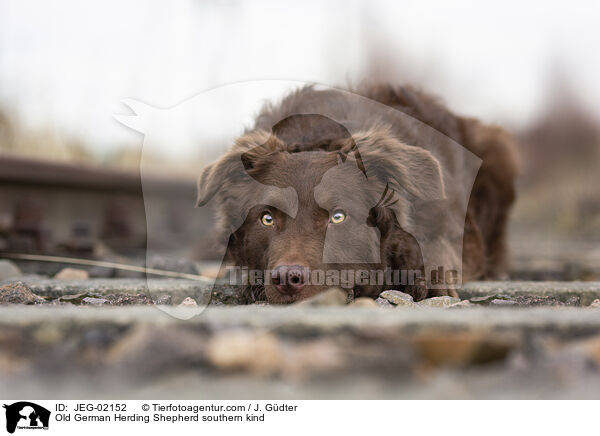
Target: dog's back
[(493, 192)]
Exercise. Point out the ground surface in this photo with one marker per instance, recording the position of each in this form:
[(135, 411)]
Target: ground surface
[(129, 338)]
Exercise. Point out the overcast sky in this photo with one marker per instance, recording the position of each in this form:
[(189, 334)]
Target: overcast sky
[(68, 63)]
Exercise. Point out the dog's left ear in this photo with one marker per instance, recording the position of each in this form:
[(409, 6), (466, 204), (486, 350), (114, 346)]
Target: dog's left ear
[(403, 167)]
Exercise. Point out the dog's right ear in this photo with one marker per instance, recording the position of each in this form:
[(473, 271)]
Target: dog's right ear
[(233, 168), (212, 177)]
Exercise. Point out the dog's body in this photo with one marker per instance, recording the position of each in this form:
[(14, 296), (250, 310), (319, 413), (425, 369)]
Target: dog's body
[(357, 195)]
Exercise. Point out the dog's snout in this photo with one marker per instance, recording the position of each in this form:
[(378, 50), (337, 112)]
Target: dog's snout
[(289, 279)]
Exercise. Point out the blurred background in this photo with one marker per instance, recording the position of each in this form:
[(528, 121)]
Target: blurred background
[(65, 67)]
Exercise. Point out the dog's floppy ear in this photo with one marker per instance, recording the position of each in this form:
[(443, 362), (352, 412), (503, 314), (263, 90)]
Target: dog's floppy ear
[(232, 168), (215, 175), (219, 176), (404, 167)]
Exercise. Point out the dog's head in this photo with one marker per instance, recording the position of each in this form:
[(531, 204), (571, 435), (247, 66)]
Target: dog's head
[(350, 211)]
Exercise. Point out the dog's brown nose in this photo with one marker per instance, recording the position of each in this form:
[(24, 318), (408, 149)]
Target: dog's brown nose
[(289, 279)]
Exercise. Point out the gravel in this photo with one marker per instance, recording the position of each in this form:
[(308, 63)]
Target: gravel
[(18, 293), (317, 352)]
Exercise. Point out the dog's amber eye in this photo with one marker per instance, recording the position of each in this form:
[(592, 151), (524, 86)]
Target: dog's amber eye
[(267, 219), (337, 217)]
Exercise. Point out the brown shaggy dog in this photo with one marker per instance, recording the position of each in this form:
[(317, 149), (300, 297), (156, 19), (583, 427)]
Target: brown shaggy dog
[(370, 200)]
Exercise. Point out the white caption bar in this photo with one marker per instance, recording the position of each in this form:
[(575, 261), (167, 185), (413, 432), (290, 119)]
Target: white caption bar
[(116, 417)]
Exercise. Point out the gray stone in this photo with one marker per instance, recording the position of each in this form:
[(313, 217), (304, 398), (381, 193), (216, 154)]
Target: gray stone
[(73, 298), (502, 302), (444, 301), (94, 301), (483, 300), (398, 298), (188, 302), (526, 300), (8, 270), (461, 304), (382, 302)]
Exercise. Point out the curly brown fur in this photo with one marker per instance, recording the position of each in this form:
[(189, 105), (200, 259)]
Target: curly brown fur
[(291, 146)]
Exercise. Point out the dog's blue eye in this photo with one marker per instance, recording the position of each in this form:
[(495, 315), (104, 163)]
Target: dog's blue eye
[(267, 219), (337, 217)]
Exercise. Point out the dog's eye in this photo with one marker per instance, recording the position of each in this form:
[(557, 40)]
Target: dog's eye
[(337, 217), (267, 219)]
